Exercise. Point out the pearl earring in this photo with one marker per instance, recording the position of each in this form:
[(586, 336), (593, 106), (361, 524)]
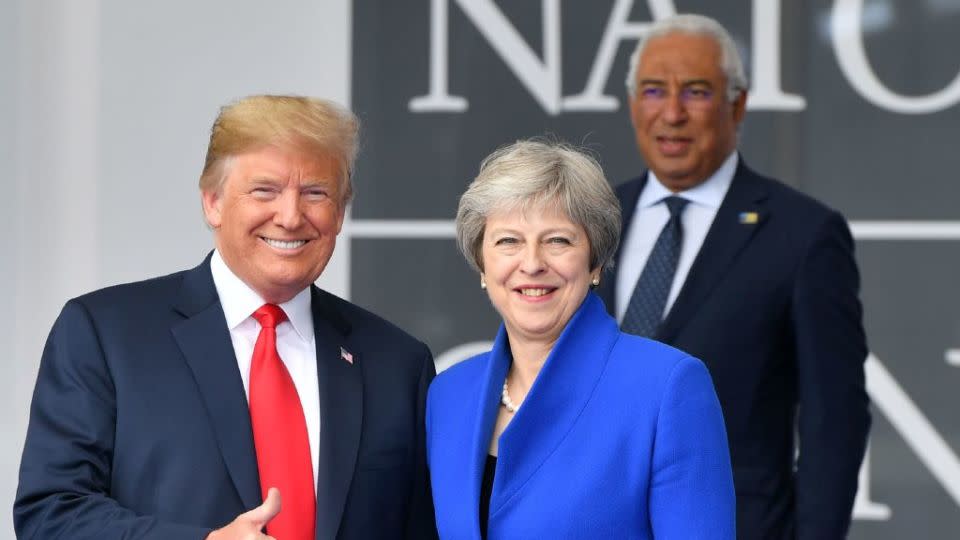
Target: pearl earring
[(596, 281), (483, 283)]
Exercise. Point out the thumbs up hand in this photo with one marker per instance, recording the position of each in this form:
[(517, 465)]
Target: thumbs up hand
[(248, 526)]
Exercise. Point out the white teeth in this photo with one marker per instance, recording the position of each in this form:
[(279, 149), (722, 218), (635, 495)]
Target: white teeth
[(534, 292), (282, 244)]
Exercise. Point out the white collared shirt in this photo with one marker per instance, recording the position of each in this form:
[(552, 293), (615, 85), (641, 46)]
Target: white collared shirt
[(652, 214), (295, 342)]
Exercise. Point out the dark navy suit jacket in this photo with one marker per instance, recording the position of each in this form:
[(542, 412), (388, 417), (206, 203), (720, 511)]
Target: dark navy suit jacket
[(139, 426), (619, 437), (771, 307)]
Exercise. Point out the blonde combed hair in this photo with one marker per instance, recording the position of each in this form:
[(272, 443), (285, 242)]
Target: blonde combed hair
[(313, 125)]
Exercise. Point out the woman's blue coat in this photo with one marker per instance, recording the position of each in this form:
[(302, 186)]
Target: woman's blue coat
[(619, 437)]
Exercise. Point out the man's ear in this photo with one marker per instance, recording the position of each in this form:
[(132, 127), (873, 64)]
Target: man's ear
[(632, 103), (212, 201), (740, 107), (340, 215)]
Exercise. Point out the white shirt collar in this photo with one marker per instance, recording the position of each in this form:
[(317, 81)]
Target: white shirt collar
[(709, 193), (239, 301)]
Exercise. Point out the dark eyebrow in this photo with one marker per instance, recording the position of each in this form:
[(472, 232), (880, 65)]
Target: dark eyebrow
[(690, 82)]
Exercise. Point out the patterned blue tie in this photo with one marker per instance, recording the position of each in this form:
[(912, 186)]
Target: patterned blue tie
[(649, 298)]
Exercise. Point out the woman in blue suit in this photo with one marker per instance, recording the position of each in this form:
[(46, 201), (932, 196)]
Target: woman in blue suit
[(567, 428)]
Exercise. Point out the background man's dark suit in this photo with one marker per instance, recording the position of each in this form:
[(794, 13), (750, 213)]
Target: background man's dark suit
[(142, 380), (771, 307)]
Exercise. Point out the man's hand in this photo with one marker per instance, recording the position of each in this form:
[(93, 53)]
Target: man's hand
[(248, 526)]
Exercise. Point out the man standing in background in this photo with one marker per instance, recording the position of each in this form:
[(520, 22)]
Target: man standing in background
[(236, 396), (752, 277)]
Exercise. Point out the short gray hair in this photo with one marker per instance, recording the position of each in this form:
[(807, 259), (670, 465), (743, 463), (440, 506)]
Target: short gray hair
[(532, 174), (699, 25)]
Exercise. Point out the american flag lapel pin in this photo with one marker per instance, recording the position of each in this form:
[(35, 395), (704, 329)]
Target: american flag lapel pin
[(346, 355), (749, 218)]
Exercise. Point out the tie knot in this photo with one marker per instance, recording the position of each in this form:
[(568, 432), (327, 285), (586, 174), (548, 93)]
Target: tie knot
[(269, 315), (675, 204)]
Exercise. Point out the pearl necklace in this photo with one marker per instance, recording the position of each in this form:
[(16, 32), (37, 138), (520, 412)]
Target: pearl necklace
[(506, 401)]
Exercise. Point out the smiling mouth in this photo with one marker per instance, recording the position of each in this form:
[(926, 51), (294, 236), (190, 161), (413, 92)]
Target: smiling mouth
[(673, 145), (283, 244), (535, 292)]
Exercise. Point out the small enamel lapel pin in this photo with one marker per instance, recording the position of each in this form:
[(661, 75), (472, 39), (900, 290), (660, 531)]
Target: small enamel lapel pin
[(749, 218)]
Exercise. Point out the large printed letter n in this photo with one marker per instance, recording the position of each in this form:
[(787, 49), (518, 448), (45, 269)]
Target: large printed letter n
[(540, 77)]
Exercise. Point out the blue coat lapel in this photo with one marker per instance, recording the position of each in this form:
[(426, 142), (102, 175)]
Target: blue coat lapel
[(488, 406), (554, 403), (204, 339)]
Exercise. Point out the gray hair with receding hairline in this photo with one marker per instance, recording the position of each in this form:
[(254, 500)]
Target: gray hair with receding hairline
[(699, 25), (532, 174)]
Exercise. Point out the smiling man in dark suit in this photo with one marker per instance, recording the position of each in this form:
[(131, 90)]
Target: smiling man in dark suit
[(752, 277), (236, 396)]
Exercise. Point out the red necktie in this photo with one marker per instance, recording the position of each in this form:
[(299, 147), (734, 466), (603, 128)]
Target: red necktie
[(280, 434)]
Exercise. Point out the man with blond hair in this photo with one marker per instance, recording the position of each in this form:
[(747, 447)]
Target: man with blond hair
[(749, 275), (236, 397)]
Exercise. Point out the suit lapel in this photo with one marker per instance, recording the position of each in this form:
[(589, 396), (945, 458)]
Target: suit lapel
[(488, 406), (555, 402), (204, 339), (341, 412), (740, 216), (627, 194)]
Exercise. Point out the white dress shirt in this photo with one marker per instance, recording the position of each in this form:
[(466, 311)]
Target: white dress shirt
[(295, 342), (652, 214)]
